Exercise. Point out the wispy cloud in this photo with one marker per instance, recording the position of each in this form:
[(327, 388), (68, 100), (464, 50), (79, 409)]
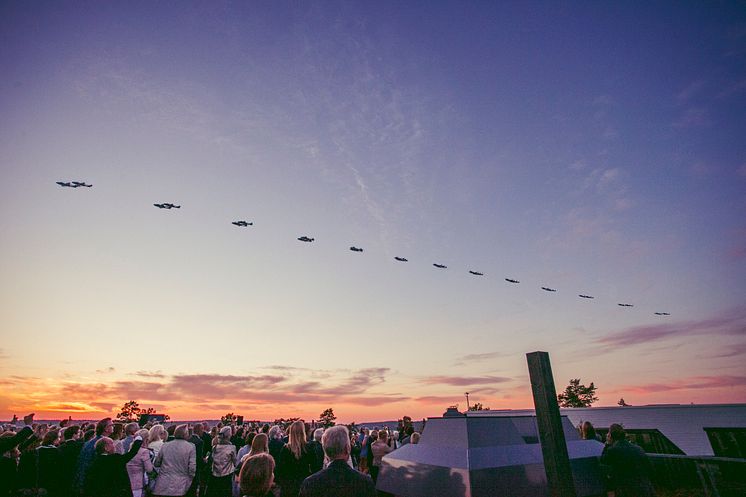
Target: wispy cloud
[(732, 322), (464, 381), (691, 383)]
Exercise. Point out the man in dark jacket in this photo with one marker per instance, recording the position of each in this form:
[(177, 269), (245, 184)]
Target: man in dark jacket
[(338, 479), (69, 451), (628, 464), (107, 475)]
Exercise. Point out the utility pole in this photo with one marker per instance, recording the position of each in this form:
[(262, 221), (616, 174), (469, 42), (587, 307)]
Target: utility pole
[(467, 401)]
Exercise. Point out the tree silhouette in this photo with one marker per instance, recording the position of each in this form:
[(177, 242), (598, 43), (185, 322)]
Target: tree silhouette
[(477, 406), (577, 395), (326, 418), (131, 411), (622, 403)]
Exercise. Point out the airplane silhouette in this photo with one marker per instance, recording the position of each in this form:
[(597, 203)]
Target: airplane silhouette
[(356, 249), (625, 305), (476, 273), (440, 266), (72, 184), (243, 224), (401, 259), (509, 280), (585, 296), (662, 314), (167, 206), (548, 289), (305, 239)]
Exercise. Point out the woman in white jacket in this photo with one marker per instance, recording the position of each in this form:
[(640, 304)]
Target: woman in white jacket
[(223, 465)]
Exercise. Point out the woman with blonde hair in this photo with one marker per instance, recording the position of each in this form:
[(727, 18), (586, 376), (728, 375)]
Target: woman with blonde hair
[(295, 460), (140, 466), (156, 437), (257, 476)]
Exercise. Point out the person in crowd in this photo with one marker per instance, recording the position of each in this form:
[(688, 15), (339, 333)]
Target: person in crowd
[(317, 450), (204, 475), (379, 449), (89, 435), (9, 443), (363, 438), (257, 475), (156, 438), (295, 460), (355, 450), (140, 468), (628, 465), (104, 428), (69, 453), (275, 442), (107, 476), (223, 465), (415, 438), (177, 461), (588, 432), (338, 479), (260, 445), (129, 431), (408, 430), (369, 441), (48, 467), (117, 435)]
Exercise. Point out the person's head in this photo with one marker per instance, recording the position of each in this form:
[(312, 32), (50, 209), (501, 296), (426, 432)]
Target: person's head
[(257, 475), (275, 433), (587, 432), (616, 432), (130, 429), (71, 432), (336, 442), (145, 435), (198, 429), (104, 445), (104, 427), (414, 438), (170, 430), (51, 438), (408, 430), (317, 434), (88, 435), (155, 433), (225, 434), (181, 432), (259, 444), (297, 438), (383, 436), (117, 431), (265, 428)]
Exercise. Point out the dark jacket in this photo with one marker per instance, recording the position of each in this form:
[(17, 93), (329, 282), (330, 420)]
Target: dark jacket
[(291, 471), (108, 477), (318, 455), (69, 452), (338, 480), (629, 468), (8, 443)]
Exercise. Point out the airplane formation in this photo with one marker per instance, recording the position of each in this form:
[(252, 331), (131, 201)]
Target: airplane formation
[(306, 239), (73, 184)]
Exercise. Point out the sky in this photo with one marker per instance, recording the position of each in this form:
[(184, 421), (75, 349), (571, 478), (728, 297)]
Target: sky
[(595, 148)]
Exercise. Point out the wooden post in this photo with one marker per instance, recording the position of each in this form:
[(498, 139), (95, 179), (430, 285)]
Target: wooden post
[(551, 435)]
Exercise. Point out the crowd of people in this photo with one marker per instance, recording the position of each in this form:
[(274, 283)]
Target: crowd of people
[(113, 459)]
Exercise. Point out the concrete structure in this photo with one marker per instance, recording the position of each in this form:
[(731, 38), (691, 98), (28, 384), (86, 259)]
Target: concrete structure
[(484, 456)]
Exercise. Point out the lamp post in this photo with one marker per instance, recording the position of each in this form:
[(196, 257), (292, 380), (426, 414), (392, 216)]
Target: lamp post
[(467, 401)]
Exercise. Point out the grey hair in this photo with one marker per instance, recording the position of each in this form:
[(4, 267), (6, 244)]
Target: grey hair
[(336, 441), (275, 433), (317, 434), (226, 432), (181, 432)]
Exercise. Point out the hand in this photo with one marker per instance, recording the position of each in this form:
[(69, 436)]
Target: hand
[(28, 419)]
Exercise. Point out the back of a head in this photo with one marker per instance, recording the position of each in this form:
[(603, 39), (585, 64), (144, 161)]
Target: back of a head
[(256, 475), (131, 429), (275, 433), (383, 436), (297, 438), (51, 437), (156, 433), (259, 444), (336, 442), (414, 438), (101, 426), (317, 434), (225, 434), (101, 445), (181, 432), (144, 434), (587, 432), (70, 432), (116, 434), (616, 432)]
